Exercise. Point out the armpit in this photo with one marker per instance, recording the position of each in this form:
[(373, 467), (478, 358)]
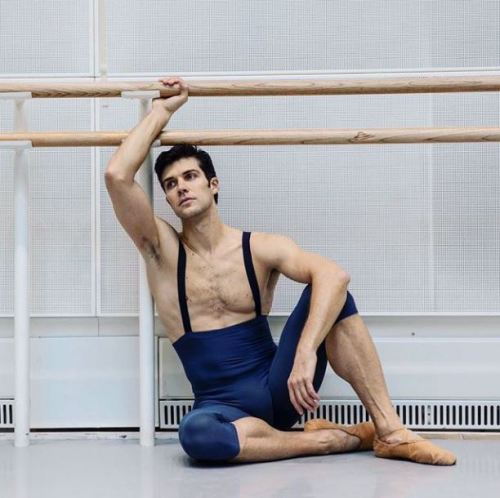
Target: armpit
[(151, 252)]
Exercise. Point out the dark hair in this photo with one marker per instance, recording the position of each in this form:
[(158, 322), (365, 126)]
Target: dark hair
[(177, 152)]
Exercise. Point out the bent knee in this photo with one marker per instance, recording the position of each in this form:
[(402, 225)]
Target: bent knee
[(208, 436), (348, 310)]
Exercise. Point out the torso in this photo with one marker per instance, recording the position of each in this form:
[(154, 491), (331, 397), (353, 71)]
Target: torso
[(217, 290)]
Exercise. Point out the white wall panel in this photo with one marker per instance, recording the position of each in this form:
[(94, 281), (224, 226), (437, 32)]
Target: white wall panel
[(431, 369), (49, 36), (61, 214), (180, 36), (79, 381), (464, 33), (466, 208), (414, 368)]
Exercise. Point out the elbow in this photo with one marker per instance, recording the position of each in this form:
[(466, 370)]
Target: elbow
[(114, 170), (111, 178), (334, 274), (341, 277), (345, 278)]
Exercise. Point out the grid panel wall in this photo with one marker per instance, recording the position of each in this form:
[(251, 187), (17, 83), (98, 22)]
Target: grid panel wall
[(61, 224), (119, 276), (466, 206), (466, 198), (6, 232), (262, 35), (45, 36)]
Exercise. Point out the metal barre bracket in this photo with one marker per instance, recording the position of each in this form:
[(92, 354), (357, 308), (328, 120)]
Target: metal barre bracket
[(145, 96), (16, 145), (15, 95)]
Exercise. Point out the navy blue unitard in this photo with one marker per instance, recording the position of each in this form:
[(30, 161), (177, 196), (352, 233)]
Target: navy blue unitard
[(238, 371)]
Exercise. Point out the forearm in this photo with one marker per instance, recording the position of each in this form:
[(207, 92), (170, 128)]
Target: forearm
[(128, 158), (328, 296)]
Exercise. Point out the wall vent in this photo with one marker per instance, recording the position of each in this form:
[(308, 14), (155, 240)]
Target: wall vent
[(6, 413), (423, 415)]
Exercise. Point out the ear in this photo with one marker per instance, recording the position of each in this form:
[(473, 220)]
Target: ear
[(214, 185)]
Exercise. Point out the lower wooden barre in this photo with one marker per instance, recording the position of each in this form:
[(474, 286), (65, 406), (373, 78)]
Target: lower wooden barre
[(317, 136)]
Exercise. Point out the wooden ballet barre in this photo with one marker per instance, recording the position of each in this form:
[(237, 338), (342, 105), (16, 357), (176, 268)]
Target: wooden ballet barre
[(227, 88), (266, 137)]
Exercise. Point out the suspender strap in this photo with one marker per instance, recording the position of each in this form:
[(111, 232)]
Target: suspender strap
[(252, 279), (181, 287)]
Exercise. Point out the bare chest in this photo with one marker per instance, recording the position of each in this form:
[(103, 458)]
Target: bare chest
[(217, 291), (217, 287)]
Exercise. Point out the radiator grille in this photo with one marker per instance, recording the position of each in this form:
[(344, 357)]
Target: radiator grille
[(466, 415), (6, 413)]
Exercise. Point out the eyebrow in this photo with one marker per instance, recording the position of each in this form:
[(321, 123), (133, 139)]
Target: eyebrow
[(184, 173)]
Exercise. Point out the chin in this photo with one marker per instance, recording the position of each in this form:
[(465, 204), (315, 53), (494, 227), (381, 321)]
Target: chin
[(191, 213)]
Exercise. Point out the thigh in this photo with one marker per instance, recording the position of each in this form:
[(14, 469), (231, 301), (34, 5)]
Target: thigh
[(207, 434), (285, 415)]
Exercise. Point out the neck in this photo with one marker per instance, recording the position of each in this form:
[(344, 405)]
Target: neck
[(204, 232)]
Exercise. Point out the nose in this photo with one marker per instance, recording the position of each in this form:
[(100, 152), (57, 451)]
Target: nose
[(180, 186)]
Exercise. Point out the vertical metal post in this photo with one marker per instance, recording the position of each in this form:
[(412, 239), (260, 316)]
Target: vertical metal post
[(21, 283), (146, 308), (146, 319)]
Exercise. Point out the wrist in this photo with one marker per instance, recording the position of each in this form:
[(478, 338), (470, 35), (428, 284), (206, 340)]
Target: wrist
[(161, 114), (305, 349)]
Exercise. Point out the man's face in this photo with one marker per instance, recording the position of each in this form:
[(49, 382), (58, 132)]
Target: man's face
[(186, 188)]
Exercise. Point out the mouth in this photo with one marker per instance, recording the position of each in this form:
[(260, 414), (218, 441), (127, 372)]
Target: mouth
[(185, 200)]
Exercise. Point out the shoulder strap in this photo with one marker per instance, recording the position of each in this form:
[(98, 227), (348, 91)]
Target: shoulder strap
[(181, 287), (252, 279)]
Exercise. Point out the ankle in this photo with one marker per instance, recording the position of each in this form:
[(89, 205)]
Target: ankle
[(386, 430), (340, 441)]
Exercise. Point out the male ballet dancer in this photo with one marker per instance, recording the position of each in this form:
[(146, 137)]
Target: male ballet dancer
[(213, 287)]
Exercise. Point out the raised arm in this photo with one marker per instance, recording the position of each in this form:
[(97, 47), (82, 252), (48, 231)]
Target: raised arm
[(130, 203)]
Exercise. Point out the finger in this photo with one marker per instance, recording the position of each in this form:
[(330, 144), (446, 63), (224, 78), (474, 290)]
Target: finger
[(312, 392), (310, 401), (303, 397), (184, 89), (293, 399)]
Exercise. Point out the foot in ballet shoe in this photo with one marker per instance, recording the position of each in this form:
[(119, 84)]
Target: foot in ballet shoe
[(403, 444), (365, 432)]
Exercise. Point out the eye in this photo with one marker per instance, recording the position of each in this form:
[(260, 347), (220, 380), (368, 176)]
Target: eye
[(190, 175), (169, 184)]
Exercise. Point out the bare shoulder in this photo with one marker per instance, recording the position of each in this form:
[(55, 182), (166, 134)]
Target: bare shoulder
[(267, 238), (271, 248), (166, 227)]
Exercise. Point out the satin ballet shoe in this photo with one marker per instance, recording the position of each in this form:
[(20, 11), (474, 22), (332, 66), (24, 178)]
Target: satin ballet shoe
[(365, 431), (414, 449)]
